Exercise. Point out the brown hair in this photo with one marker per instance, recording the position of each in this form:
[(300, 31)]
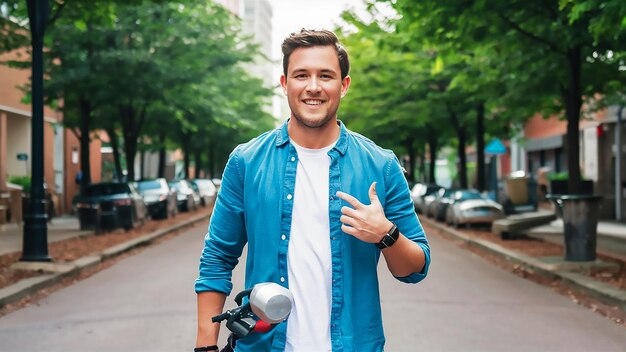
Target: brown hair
[(310, 38)]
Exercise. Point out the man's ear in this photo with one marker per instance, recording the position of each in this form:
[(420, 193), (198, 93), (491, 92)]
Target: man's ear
[(345, 84), (283, 83)]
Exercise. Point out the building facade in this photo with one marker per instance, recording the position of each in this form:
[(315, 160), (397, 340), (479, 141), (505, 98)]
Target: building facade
[(61, 146), (257, 21), (544, 145)]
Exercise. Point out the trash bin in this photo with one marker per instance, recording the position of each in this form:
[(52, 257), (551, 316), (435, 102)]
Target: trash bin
[(580, 224), (517, 187)]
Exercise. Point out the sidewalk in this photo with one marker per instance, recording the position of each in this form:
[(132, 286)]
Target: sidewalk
[(59, 228), (611, 236), (63, 228), (611, 241)]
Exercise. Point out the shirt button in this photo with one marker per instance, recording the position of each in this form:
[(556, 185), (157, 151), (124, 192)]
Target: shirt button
[(293, 158), (333, 238), (283, 237), (282, 279), (289, 196)]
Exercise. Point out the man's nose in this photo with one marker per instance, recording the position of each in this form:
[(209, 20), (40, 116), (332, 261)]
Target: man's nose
[(313, 85)]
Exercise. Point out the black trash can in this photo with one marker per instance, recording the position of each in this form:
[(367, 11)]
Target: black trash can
[(580, 226)]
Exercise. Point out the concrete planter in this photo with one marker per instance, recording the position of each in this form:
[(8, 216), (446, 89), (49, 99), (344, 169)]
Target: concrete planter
[(580, 225)]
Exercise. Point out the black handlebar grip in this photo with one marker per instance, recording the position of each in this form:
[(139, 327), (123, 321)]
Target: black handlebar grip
[(218, 318)]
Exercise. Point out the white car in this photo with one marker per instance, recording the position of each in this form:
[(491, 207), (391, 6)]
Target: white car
[(422, 194), (471, 207)]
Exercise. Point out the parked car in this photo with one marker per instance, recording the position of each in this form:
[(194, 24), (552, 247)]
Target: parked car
[(109, 205), (420, 194), (187, 198), (438, 207), (470, 207), (159, 197), (206, 189)]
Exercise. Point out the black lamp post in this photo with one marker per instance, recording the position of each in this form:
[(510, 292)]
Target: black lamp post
[(35, 244)]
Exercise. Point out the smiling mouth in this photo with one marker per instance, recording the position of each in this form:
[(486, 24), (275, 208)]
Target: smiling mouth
[(313, 102)]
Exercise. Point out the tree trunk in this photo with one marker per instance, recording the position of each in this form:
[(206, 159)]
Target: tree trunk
[(142, 164), (186, 153), (211, 160), (572, 111), (132, 120), (462, 157), (130, 149), (432, 149), (116, 153), (162, 153), (480, 148), (197, 158), (410, 148), (422, 165), (85, 129), (461, 137)]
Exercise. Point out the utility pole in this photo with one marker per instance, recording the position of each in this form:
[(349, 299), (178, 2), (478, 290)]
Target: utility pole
[(618, 165), (35, 243)]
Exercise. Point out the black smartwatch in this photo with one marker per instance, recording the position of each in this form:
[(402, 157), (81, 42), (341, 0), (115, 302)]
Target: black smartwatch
[(390, 238)]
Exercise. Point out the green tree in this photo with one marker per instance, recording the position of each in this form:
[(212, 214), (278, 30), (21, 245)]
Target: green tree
[(550, 53)]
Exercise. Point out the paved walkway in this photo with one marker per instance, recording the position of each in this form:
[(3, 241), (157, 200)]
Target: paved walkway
[(59, 228), (611, 236)]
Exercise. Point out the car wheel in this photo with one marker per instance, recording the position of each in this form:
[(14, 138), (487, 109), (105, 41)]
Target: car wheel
[(128, 225)]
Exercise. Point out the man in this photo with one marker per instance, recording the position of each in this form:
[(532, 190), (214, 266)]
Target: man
[(316, 204)]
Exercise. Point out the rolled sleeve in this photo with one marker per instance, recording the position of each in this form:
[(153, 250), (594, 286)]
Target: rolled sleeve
[(226, 236), (400, 209)]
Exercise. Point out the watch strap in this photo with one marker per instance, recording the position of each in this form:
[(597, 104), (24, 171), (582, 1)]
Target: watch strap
[(390, 238)]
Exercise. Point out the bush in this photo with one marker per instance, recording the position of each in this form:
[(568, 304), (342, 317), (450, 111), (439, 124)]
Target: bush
[(23, 181), (558, 176)]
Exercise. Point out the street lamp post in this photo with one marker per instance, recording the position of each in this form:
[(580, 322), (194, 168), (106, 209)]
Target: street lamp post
[(35, 243)]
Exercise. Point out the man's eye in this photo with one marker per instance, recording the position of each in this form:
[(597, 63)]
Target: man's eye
[(326, 76), (300, 76)]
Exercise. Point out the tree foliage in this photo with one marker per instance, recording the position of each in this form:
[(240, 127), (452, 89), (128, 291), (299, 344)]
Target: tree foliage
[(449, 63), (155, 75)]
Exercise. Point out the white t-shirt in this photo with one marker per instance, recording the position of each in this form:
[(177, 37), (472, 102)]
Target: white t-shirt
[(309, 256)]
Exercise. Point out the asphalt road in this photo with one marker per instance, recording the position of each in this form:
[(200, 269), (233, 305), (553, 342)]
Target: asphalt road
[(146, 303)]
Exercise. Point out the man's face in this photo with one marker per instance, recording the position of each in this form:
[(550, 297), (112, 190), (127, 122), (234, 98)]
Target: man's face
[(313, 85)]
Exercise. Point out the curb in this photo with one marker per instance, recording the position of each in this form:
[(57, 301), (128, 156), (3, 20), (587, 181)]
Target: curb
[(24, 287), (603, 292)]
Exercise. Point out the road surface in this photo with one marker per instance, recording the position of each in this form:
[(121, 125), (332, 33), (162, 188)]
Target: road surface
[(146, 303)]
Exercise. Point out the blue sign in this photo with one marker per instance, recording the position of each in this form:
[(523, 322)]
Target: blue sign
[(495, 147), (22, 156)]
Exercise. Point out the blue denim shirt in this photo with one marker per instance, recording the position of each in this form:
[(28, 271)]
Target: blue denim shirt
[(254, 206)]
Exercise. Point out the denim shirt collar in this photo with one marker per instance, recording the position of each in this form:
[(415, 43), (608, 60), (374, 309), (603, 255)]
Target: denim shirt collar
[(282, 137)]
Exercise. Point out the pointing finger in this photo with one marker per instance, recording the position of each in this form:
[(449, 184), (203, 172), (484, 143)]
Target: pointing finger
[(350, 199)]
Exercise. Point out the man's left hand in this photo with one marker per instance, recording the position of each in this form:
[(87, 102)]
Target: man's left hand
[(365, 222)]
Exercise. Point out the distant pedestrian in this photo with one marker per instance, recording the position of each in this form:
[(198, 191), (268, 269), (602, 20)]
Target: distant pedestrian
[(316, 204)]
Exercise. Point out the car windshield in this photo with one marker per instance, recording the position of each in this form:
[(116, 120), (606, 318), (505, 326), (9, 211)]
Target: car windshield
[(205, 184), (432, 189), (103, 189), (148, 185), (178, 185), (447, 193), (468, 195)]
